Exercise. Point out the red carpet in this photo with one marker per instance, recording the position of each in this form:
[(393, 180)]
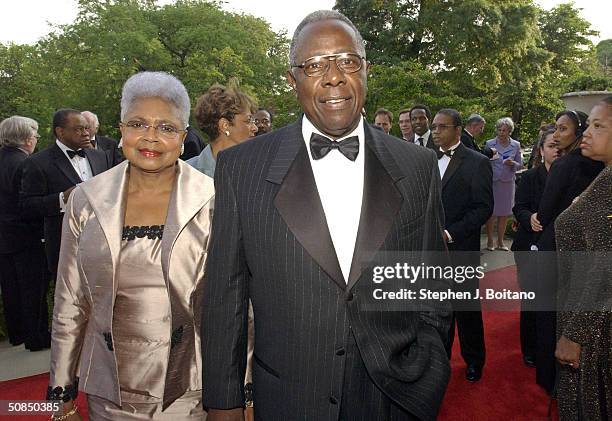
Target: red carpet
[(507, 391)]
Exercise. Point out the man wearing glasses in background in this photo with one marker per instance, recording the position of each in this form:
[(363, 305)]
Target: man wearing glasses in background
[(49, 176), (300, 215), (467, 195)]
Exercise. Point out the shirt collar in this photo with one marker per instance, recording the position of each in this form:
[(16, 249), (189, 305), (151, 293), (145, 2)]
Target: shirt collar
[(452, 148), (308, 129), (63, 147)]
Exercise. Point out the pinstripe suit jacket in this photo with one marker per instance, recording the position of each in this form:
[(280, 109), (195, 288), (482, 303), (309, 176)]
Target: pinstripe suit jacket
[(270, 243)]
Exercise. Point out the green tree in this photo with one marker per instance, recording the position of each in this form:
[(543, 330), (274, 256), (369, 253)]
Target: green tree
[(84, 64)]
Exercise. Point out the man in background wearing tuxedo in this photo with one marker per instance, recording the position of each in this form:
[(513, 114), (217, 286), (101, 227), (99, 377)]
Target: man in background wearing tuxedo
[(474, 127), (467, 195), (49, 176), (301, 214), (102, 143)]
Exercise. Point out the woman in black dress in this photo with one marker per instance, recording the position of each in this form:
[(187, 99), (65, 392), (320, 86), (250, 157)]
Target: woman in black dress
[(526, 202), (584, 238), (569, 175)]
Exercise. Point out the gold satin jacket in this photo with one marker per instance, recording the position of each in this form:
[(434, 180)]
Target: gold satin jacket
[(86, 287)]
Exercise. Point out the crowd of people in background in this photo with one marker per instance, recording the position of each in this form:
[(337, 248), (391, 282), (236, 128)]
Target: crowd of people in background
[(146, 219)]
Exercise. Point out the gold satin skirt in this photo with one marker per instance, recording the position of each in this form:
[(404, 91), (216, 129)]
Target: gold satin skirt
[(187, 407)]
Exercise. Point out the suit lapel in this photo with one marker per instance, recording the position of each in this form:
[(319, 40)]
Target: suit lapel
[(381, 202), (299, 204), (454, 164), (107, 198), (62, 162), (187, 198), (97, 164)]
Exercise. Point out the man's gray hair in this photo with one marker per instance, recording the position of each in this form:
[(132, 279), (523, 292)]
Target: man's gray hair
[(475, 118), (505, 121), (318, 16), (156, 84), (15, 130), (91, 116)]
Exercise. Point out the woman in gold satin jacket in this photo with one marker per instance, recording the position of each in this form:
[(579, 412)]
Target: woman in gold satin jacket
[(126, 322)]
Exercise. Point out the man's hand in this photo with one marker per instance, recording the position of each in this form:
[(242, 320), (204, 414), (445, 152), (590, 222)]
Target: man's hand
[(493, 150), (568, 352), (249, 414), (535, 223), (67, 194), (236, 414)]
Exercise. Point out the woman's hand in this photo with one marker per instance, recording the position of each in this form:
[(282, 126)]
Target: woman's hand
[(509, 162), (568, 352), (535, 223)]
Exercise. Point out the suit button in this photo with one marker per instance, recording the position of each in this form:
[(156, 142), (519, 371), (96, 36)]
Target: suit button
[(340, 351), (350, 296), (333, 400)]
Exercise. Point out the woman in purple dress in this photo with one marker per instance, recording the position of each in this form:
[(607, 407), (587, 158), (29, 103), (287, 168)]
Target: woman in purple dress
[(506, 162)]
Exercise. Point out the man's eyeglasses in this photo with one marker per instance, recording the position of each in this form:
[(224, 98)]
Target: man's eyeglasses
[(165, 131), (80, 129), (435, 127), (319, 65)]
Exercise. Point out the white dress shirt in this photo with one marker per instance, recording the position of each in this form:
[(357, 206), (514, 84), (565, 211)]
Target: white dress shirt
[(81, 166), (442, 166), (425, 138), (340, 185), (445, 160)]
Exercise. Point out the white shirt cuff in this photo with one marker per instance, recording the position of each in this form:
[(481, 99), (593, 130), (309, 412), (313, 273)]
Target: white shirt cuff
[(450, 239), (61, 203)]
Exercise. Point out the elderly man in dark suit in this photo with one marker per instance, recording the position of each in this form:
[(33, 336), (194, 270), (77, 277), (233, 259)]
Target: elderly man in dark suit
[(474, 126), (102, 143), (467, 195), (49, 176), (23, 268), (300, 214)]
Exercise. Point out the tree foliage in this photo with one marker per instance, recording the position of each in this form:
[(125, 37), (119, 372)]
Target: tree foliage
[(494, 57), (84, 64)]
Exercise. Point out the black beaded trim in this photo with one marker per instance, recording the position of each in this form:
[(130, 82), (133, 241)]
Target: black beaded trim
[(176, 337), (108, 338), (63, 394), (152, 232)]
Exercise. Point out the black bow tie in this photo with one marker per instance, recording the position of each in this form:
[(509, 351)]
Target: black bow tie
[(320, 146), (72, 153), (448, 153)]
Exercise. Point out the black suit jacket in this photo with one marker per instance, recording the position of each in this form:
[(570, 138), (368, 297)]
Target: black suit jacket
[(193, 144), (467, 195), (109, 146), (468, 140), (270, 243), (16, 233), (569, 176), (46, 174), (526, 202)]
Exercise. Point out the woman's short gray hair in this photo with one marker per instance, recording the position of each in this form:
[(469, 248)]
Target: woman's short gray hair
[(15, 130), (156, 84), (505, 121)]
